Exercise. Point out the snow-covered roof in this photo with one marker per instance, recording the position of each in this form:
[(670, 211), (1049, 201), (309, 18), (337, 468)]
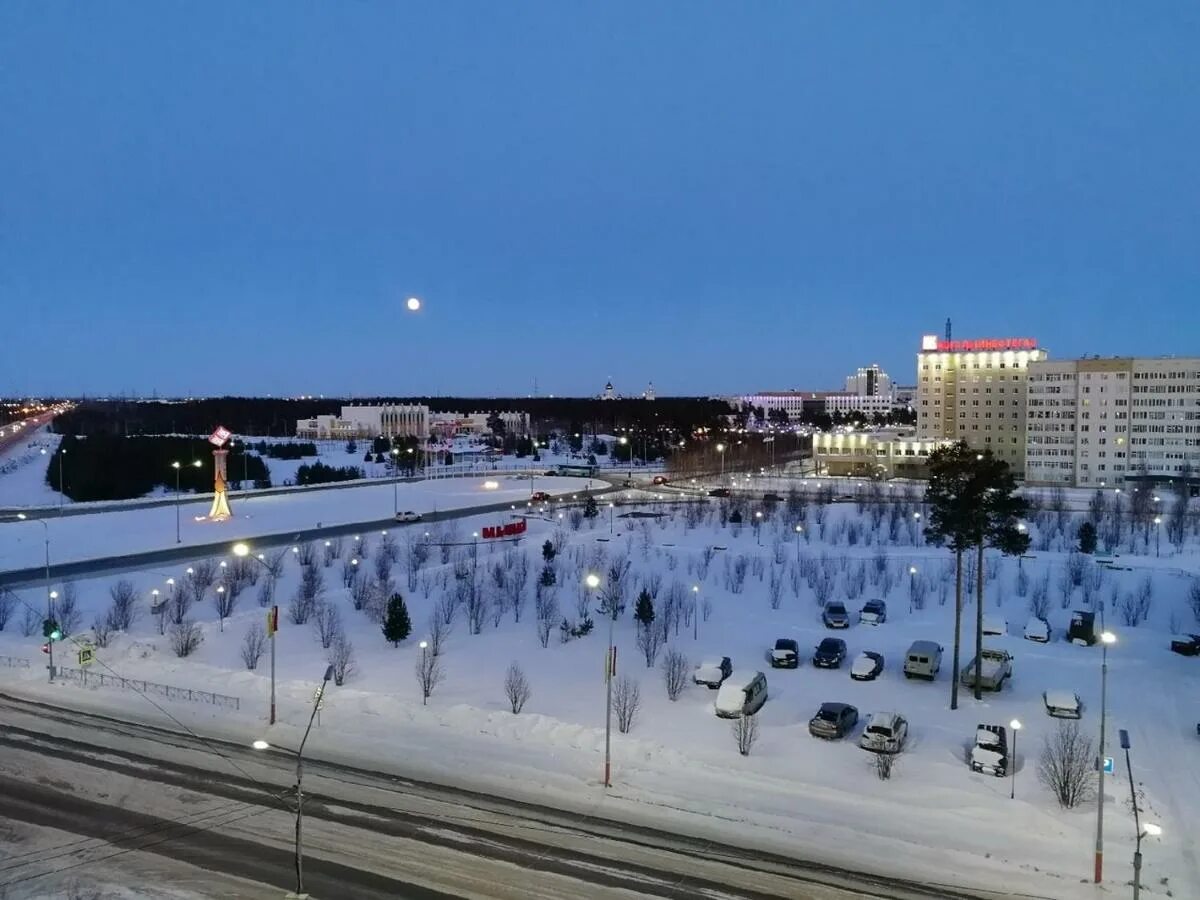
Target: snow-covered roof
[(710, 662), (1061, 699), (739, 680), (924, 647)]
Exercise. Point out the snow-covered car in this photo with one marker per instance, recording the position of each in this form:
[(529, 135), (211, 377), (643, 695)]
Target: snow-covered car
[(873, 612), (990, 753), (772, 498), (1037, 629), (1062, 704), (995, 667), (713, 671), (786, 654), (742, 694), (829, 653), (994, 625), (866, 666), (408, 516), (834, 615), (886, 732), (833, 720)]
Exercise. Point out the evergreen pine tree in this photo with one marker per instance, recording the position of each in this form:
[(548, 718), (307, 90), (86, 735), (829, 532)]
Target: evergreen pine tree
[(548, 551), (396, 623), (590, 509), (644, 611), (1087, 538)]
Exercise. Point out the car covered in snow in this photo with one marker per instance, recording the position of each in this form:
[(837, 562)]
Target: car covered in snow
[(995, 666), (829, 653), (834, 615), (886, 732), (408, 516), (989, 755), (742, 694), (1037, 629), (786, 654), (873, 612), (866, 666), (1188, 646), (833, 720), (713, 671), (719, 492), (772, 498), (994, 625), (1062, 704)]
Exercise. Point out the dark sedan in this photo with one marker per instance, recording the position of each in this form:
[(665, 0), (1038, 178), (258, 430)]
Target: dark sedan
[(829, 653), (833, 720)]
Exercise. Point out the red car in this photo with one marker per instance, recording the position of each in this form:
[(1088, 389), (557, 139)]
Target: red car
[(661, 479), (539, 497)]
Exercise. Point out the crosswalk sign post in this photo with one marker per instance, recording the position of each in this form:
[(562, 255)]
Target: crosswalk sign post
[(86, 655)]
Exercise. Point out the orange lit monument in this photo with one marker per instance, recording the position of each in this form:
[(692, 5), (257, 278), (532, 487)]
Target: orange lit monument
[(220, 505)]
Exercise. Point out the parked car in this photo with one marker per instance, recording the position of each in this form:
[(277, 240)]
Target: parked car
[(886, 732), (719, 492), (550, 472), (408, 516), (539, 497), (994, 625), (873, 612), (844, 498), (772, 498), (829, 653), (990, 753), (786, 654), (833, 720), (1037, 629), (1188, 646), (867, 666), (661, 479), (1083, 627), (713, 672), (1062, 704), (923, 660), (742, 694), (995, 666), (834, 615)]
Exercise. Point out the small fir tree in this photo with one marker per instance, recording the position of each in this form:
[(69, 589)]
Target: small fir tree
[(644, 611), (590, 509), (396, 624), (1087, 538)]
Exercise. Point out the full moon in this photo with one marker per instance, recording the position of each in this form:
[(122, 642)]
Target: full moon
[(413, 304)]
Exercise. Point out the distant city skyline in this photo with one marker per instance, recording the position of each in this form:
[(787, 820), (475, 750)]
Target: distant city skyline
[(721, 200)]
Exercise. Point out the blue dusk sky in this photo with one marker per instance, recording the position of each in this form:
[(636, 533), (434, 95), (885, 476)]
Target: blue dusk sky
[(720, 197)]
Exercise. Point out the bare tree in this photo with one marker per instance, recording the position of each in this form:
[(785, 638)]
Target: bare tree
[(254, 645), (124, 609), (775, 588), (8, 602), (547, 613), (361, 590), (516, 687), (266, 592), (224, 600), (429, 674), (308, 594), (349, 572), (186, 636), (438, 632), (306, 554), (32, 621), (327, 623), (675, 668), (1194, 598), (383, 565), (626, 701), (885, 763), (476, 607), (102, 629), (416, 554), (1067, 765), (66, 610), (516, 579), (274, 562), (745, 733), (446, 609), (650, 640), (341, 657)]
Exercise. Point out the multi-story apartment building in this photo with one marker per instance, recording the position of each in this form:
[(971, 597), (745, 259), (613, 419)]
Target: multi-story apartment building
[(869, 381), (1101, 422), (975, 391)]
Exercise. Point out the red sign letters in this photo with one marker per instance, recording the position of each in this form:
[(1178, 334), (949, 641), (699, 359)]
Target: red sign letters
[(976, 346), (512, 529)]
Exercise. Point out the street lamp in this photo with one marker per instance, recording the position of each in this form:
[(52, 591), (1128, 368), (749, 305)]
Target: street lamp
[(592, 581), (623, 441), (758, 527), (912, 587), (799, 531), (721, 453), (243, 550), (177, 466), (263, 745), (424, 645), (695, 612), (50, 595), (1106, 638), (395, 478), (1149, 828), (1157, 534), (1015, 725)]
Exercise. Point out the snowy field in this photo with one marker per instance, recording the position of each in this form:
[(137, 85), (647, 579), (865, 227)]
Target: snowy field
[(23, 471), (678, 765), (97, 535)]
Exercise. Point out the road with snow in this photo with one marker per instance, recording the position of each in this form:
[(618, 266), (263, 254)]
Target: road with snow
[(123, 787)]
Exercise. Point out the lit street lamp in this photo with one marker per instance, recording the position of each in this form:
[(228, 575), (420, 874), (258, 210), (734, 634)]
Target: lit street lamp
[(592, 581), (1015, 725), (721, 453), (177, 466), (1149, 828), (695, 612), (758, 527), (243, 551), (424, 645), (1106, 638), (263, 745), (1157, 535), (799, 531), (50, 595)]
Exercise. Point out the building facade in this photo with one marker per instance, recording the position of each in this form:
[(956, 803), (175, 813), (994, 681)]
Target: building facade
[(402, 420), (874, 455), (1101, 422), (975, 391), (869, 381)]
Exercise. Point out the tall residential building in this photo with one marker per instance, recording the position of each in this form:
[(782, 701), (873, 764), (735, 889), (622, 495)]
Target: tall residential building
[(1100, 422), (975, 391), (869, 381)]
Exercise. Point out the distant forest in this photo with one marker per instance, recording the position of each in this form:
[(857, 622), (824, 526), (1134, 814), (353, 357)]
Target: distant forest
[(267, 417)]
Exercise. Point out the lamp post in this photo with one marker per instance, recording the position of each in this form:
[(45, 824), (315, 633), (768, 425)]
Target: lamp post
[(593, 581), (243, 550), (912, 587), (1157, 535), (1106, 638), (395, 478), (624, 441), (611, 504), (1015, 725), (695, 612), (1142, 830), (758, 527), (799, 531), (424, 645), (263, 745), (177, 466), (50, 595), (721, 453)]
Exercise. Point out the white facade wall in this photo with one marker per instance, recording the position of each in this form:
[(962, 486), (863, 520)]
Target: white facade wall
[(791, 402), (869, 381)]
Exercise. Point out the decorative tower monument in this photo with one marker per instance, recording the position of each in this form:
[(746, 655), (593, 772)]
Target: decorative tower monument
[(220, 505)]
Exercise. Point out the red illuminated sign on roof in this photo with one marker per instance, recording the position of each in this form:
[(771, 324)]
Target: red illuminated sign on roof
[(976, 346)]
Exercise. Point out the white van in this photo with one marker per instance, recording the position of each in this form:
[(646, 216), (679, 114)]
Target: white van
[(923, 660), (741, 694)]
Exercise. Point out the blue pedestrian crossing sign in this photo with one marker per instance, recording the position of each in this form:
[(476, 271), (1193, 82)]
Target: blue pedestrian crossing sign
[(1108, 765)]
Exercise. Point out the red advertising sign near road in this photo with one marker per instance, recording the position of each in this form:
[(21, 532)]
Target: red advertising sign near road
[(220, 436), (512, 529)]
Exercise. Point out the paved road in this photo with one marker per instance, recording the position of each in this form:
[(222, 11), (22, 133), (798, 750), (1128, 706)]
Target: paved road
[(17, 578), (32, 424), (368, 834)]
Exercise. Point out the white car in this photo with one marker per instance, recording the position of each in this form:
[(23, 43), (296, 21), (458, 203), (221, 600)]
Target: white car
[(408, 516), (886, 732), (713, 671), (1037, 629), (994, 625)]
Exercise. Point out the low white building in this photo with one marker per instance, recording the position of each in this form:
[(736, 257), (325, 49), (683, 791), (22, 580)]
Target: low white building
[(450, 424), (404, 420), (883, 454)]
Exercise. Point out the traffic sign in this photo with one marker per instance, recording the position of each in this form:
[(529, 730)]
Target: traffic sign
[(86, 655), (1108, 765)]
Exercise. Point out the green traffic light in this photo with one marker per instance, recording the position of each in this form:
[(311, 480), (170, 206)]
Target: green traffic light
[(56, 635)]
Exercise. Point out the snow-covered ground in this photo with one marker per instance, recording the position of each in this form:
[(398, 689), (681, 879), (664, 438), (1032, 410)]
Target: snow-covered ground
[(23, 471), (136, 530), (934, 820)]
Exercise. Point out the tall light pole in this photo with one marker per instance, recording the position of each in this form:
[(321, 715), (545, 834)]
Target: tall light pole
[(424, 645), (758, 527), (721, 453), (243, 551), (177, 466), (912, 587), (624, 442), (610, 667), (395, 478), (1015, 725), (1142, 830), (1157, 535), (263, 745), (50, 595), (1106, 638), (799, 531)]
